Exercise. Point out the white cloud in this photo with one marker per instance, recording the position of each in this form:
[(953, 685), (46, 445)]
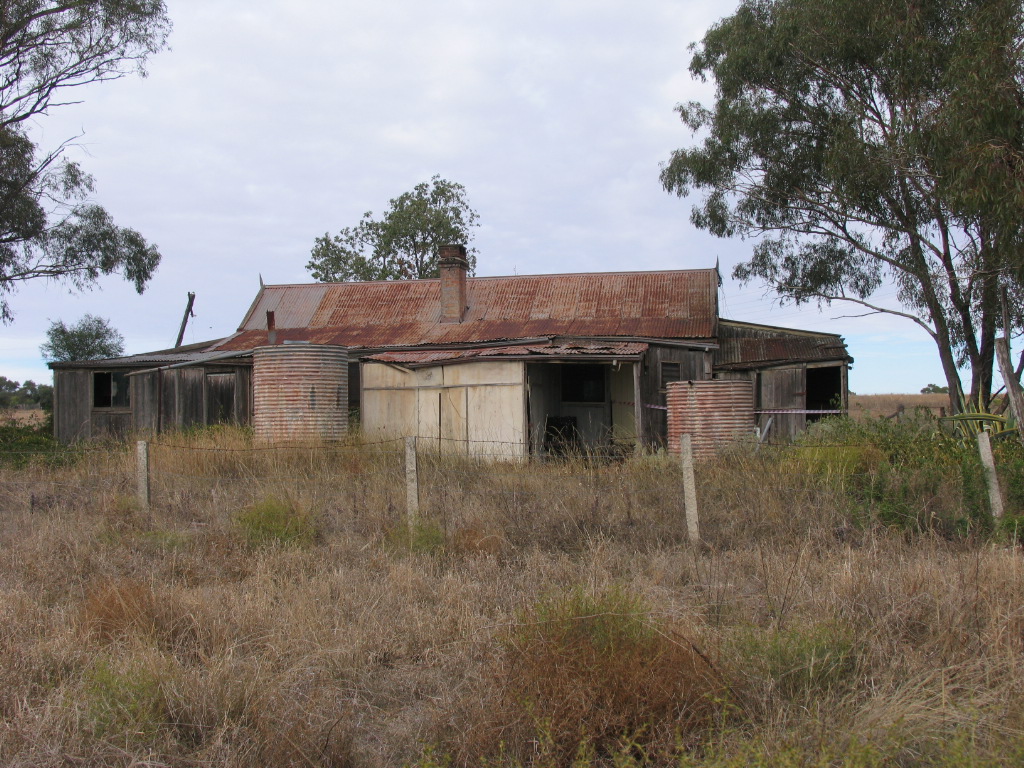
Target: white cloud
[(271, 123)]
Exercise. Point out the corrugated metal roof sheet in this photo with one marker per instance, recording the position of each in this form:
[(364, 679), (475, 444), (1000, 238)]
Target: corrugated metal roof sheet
[(671, 305), (745, 345), (428, 357), (184, 354)]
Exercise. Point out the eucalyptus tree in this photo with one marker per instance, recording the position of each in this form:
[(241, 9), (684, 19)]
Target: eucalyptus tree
[(49, 227), (403, 243), (865, 143)]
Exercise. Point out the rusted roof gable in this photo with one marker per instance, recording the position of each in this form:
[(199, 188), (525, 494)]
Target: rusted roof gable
[(404, 313), (748, 345)]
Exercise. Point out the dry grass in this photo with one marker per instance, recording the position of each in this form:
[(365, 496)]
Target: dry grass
[(884, 406), (535, 615), (31, 416)]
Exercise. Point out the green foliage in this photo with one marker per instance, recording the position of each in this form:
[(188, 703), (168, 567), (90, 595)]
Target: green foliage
[(855, 140), (124, 703), (91, 338), (48, 227), (910, 474), (422, 538), (276, 521), (21, 444), (608, 622), (974, 419), (933, 389), (799, 663), (404, 242)]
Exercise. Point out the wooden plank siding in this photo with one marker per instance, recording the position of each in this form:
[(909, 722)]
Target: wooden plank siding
[(783, 388), (72, 404), (694, 365)]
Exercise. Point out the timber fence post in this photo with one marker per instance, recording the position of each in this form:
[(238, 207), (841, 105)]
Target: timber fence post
[(142, 473), (412, 486), (689, 489), (988, 465)]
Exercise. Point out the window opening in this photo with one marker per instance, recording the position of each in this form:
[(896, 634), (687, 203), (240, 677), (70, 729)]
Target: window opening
[(110, 389), (670, 372)]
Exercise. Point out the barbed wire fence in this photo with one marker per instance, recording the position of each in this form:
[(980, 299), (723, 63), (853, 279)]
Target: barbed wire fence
[(449, 486)]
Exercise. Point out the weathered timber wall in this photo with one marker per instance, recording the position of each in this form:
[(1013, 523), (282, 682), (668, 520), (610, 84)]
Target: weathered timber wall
[(72, 404), (694, 365)]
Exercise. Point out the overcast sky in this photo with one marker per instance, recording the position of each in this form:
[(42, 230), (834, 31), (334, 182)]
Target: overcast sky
[(269, 123)]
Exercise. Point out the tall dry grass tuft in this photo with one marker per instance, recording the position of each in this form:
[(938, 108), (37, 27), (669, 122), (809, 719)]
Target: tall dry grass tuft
[(586, 672)]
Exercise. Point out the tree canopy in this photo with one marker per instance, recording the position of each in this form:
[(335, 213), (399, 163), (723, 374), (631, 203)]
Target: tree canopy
[(404, 242), (49, 227), (91, 338), (864, 143), (13, 394)]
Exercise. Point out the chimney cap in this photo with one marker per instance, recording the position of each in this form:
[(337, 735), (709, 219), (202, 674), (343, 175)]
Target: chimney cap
[(452, 253)]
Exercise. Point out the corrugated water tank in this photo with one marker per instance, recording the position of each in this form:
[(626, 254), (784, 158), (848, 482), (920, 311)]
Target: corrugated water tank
[(714, 413), (300, 392)]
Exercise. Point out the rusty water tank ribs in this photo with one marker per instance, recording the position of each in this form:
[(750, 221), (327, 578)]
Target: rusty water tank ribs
[(300, 392), (714, 413)]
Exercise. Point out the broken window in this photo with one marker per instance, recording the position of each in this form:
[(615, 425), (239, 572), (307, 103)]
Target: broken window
[(669, 372), (110, 389), (583, 384)]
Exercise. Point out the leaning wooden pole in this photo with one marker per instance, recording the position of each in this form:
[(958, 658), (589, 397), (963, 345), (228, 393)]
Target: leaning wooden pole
[(184, 319)]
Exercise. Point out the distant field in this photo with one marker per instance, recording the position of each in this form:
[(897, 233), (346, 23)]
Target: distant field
[(873, 406), (35, 416)]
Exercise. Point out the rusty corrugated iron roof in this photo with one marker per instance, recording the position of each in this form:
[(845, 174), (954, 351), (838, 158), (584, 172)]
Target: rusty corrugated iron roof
[(412, 359), (188, 353), (746, 345), (403, 313)]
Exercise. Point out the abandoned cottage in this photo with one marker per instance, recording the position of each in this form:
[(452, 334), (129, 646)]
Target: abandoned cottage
[(513, 366)]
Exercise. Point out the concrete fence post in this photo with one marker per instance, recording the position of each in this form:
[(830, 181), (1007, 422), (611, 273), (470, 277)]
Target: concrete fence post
[(689, 488), (142, 473), (988, 466), (412, 486)]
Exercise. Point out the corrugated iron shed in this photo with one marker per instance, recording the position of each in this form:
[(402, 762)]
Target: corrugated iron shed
[(376, 315), (747, 345)]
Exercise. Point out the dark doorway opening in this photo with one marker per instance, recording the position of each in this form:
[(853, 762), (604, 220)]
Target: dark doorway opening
[(824, 391)]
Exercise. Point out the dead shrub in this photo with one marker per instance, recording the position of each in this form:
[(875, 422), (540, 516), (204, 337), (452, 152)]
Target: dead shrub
[(115, 609), (583, 671)]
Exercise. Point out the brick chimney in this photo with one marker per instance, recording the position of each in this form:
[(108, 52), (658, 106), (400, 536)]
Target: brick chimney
[(453, 267), (271, 328)]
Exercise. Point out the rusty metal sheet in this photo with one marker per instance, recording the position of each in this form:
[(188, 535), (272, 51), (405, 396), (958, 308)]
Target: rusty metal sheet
[(428, 357), (672, 305), (714, 413)]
